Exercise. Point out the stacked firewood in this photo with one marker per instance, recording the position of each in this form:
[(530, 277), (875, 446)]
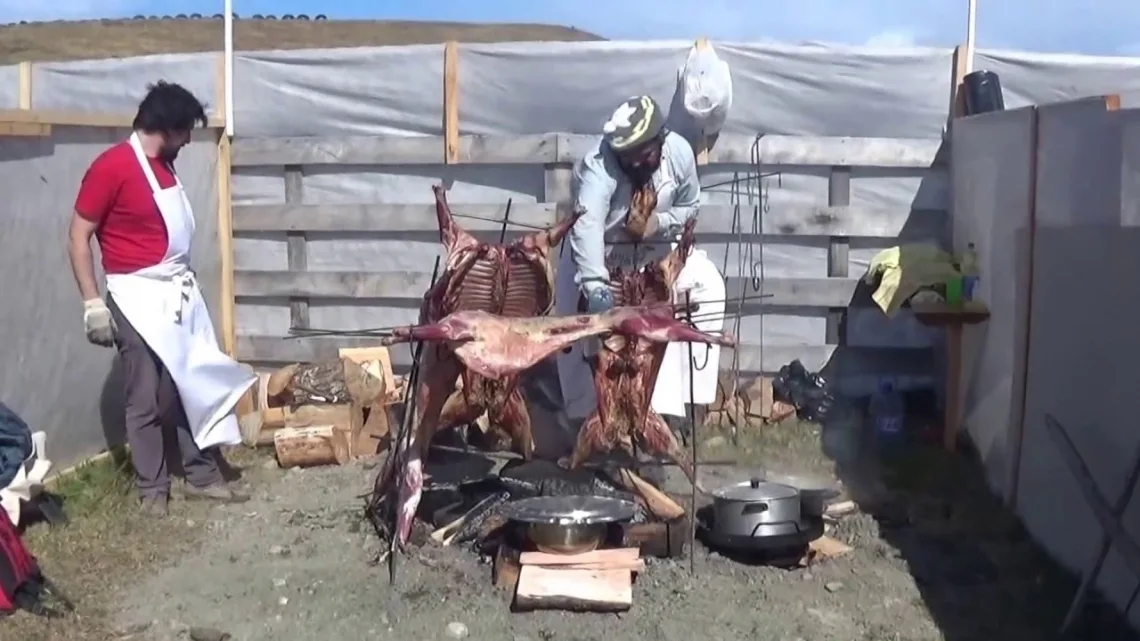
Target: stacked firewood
[(327, 412), (741, 406)]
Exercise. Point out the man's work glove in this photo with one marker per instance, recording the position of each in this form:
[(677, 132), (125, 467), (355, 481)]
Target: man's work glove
[(599, 299), (98, 324)]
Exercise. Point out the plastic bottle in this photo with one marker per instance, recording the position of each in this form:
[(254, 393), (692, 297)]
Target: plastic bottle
[(968, 265), (888, 413)]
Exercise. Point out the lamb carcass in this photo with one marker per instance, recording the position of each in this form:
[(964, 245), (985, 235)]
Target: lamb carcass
[(497, 348), (627, 365), (511, 280)]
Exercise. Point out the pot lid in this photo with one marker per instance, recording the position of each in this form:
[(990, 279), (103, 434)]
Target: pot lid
[(568, 510), (756, 490)]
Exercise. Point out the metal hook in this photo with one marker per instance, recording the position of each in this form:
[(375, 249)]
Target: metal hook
[(702, 366)]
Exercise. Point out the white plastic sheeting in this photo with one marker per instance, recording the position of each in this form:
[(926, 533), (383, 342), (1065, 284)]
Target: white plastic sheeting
[(503, 89), (1038, 78)]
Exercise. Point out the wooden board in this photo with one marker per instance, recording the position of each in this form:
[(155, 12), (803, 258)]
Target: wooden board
[(505, 570), (567, 148), (370, 440), (820, 151), (393, 150), (389, 218), (872, 361), (544, 588), (80, 118), (345, 417), (788, 292), (718, 222), (661, 540), (375, 360)]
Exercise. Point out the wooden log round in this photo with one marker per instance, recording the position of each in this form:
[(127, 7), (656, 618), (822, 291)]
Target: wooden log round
[(310, 446)]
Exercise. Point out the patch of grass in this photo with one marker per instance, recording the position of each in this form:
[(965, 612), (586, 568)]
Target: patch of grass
[(789, 446), (107, 543)]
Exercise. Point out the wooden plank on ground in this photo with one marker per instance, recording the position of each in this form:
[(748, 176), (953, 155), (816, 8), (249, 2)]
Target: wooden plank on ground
[(874, 361), (718, 222), (541, 588), (568, 148)]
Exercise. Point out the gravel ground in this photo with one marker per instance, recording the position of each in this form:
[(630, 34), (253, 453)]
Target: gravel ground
[(296, 563)]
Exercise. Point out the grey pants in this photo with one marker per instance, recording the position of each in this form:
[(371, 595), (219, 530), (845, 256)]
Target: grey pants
[(154, 412), (555, 433)]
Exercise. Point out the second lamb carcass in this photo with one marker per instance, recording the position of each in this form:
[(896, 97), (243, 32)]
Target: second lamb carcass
[(627, 366), (496, 347), (514, 280)]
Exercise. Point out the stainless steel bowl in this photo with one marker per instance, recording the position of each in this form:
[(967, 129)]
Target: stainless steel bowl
[(566, 538)]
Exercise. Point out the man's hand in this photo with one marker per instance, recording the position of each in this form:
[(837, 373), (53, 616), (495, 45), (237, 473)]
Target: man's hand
[(640, 221), (98, 324)]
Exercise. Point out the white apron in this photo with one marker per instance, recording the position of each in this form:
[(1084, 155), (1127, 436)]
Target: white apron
[(671, 392), (165, 306)]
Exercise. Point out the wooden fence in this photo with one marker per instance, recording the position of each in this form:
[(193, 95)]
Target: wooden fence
[(835, 219)]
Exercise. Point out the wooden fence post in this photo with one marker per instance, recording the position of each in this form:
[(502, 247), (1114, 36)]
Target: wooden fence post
[(225, 220), (24, 103), (450, 102), (298, 250), (838, 195), (25, 95), (957, 72)]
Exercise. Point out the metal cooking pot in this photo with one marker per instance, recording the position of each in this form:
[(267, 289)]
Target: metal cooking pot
[(566, 538), (755, 508), (815, 491), (568, 524)]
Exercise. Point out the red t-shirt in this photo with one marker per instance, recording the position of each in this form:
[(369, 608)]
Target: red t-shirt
[(116, 195)]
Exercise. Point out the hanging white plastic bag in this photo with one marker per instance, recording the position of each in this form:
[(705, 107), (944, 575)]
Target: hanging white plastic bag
[(706, 87)]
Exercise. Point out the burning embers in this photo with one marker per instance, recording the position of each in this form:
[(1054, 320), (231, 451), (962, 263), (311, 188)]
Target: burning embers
[(484, 320)]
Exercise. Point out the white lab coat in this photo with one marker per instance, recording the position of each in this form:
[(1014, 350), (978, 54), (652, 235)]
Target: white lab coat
[(165, 306)]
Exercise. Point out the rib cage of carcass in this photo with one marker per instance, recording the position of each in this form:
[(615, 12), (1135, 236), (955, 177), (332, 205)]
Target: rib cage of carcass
[(513, 280), (627, 366)]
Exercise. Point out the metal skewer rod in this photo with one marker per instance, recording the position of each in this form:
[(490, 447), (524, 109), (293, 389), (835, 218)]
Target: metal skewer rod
[(395, 450), (692, 448)]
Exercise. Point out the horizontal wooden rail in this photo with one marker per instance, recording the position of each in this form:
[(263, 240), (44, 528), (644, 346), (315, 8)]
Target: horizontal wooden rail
[(49, 117), (780, 220), (839, 361), (557, 148), (790, 292)]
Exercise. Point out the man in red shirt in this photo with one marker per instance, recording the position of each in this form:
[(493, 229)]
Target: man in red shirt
[(132, 202)]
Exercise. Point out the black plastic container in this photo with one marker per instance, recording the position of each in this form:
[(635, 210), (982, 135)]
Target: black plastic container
[(983, 92)]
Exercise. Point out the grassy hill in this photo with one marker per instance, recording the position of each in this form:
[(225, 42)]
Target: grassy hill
[(54, 41)]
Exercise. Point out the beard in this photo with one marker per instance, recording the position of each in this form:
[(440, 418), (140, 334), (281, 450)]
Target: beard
[(169, 154), (641, 174)]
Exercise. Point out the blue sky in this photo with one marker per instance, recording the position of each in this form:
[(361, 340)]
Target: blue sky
[(1086, 26)]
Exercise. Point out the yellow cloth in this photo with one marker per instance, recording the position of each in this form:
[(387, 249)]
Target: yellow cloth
[(904, 269)]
